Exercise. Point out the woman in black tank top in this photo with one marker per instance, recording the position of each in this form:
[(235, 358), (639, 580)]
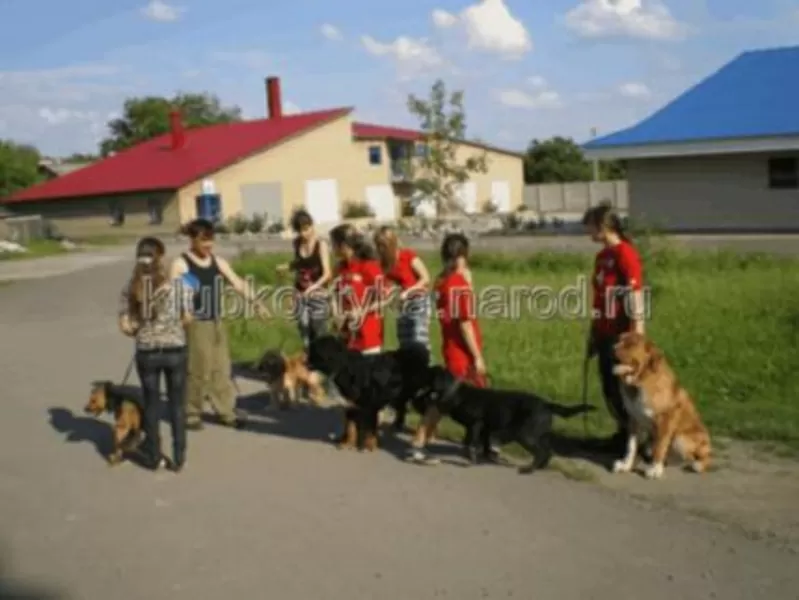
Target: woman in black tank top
[(312, 273)]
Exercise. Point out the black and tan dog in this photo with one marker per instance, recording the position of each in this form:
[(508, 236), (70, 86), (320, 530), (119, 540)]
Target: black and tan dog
[(369, 383), (127, 431), (288, 376), (491, 414)]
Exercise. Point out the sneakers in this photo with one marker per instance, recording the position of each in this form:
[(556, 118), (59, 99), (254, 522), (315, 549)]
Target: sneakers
[(420, 457)]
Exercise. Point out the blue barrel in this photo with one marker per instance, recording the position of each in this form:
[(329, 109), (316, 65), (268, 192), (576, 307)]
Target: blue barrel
[(209, 206)]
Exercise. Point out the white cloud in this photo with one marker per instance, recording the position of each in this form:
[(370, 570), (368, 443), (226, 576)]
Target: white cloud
[(411, 56), (515, 98), (289, 108), (443, 19), (331, 32), (58, 116), (158, 10), (537, 81), (490, 27), (640, 19), (257, 60), (634, 90)]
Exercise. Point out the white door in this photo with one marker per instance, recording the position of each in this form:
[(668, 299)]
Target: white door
[(381, 200), (321, 200), (466, 196), (500, 195)]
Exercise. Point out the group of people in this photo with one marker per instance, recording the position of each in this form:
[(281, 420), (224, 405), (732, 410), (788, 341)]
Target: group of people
[(189, 345)]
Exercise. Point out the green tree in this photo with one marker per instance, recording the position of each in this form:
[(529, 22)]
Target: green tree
[(19, 167), (561, 160), (148, 117), (438, 171), (80, 157)]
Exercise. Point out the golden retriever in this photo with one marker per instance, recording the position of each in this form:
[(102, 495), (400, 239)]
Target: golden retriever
[(658, 407)]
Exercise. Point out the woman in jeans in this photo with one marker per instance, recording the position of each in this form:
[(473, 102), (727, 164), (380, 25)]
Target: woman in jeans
[(154, 311)]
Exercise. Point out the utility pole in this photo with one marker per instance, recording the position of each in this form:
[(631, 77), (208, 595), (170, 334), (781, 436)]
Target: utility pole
[(595, 161)]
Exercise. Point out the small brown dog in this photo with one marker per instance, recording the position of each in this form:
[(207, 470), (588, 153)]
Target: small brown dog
[(659, 406), (288, 376), (105, 397)]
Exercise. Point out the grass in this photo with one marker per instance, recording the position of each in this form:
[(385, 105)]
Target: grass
[(728, 323), (36, 249)]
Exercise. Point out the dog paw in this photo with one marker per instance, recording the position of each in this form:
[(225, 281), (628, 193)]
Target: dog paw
[(622, 466), (654, 471)]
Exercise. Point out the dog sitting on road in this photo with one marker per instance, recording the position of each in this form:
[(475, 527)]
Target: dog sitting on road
[(490, 414), (369, 383), (659, 407), (288, 377), (127, 432)]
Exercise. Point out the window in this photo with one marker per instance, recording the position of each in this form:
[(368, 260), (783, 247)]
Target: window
[(117, 214), (783, 173), (375, 155), (155, 208)]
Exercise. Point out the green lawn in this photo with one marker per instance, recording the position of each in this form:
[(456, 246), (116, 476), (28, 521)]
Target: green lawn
[(36, 249), (729, 325)]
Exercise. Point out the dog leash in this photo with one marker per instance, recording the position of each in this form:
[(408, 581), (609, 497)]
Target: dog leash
[(586, 364), (128, 371)]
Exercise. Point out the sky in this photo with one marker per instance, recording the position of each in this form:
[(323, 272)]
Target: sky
[(529, 69)]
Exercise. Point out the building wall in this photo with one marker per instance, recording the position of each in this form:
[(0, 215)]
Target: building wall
[(327, 152), (710, 193), (81, 217), (501, 167)]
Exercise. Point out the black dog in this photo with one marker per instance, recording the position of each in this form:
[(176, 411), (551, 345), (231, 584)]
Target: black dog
[(504, 415), (369, 382)]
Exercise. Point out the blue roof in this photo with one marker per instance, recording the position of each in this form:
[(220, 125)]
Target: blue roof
[(755, 95)]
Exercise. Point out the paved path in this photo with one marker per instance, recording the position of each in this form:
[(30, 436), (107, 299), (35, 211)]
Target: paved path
[(273, 512)]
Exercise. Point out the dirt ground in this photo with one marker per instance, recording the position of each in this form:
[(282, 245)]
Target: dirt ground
[(749, 487)]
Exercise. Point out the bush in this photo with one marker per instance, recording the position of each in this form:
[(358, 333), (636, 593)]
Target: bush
[(238, 225), (256, 224), (728, 323), (357, 210)]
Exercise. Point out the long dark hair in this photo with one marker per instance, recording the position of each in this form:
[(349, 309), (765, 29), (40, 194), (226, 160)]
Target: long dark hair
[(149, 275), (346, 235), (454, 246), (603, 216)]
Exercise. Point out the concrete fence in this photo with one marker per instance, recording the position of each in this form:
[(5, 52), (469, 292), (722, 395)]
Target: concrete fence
[(563, 200)]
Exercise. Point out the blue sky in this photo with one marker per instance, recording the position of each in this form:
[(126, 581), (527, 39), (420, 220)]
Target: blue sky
[(529, 68)]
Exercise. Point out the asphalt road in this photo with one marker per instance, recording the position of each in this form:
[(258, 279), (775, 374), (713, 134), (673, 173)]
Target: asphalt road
[(275, 512)]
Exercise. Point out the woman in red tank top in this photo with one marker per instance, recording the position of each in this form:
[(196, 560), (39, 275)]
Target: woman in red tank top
[(617, 305), (405, 270)]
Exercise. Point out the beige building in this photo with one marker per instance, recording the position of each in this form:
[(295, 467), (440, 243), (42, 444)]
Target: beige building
[(722, 157), (322, 160)]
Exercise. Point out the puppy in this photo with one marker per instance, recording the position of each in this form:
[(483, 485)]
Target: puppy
[(105, 397), (489, 413), (288, 376), (659, 407)]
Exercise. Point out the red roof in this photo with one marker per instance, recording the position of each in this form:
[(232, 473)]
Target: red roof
[(367, 131), (153, 165)]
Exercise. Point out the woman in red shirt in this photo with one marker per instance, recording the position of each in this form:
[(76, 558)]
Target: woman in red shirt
[(359, 290), (617, 305), (404, 269), (461, 338)]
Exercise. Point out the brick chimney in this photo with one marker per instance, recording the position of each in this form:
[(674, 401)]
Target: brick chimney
[(274, 103), (176, 129)]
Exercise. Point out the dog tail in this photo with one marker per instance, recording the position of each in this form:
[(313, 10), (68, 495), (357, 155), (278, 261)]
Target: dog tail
[(567, 412)]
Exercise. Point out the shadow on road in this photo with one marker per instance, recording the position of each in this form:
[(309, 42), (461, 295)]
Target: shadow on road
[(79, 428)]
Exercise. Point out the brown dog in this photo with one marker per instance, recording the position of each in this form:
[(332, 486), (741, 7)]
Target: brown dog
[(288, 376), (659, 406), (105, 397)]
